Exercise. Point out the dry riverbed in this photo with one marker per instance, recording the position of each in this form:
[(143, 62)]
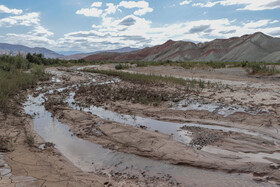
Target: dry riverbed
[(107, 131)]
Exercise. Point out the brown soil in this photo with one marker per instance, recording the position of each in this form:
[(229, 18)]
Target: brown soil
[(23, 164), (30, 166), (239, 93), (33, 166), (151, 94)]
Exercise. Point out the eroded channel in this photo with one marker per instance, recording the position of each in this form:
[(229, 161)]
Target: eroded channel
[(93, 158), (169, 128)]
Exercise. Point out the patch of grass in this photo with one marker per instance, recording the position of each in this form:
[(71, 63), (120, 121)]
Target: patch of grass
[(11, 83), (142, 78), (122, 66), (29, 140), (189, 84), (201, 84), (8, 63), (254, 67), (15, 77), (261, 69), (202, 65), (191, 65), (155, 104)]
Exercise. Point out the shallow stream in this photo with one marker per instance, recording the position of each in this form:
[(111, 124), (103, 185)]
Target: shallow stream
[(93, 158)]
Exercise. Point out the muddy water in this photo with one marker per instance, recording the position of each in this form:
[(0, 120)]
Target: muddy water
[(85, 67), (215, 108), (174, 129), (93, 158), (161, 126)]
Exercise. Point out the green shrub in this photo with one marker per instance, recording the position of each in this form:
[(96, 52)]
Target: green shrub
[(30, 140), (261, 69), (122, 66), (14, 78)]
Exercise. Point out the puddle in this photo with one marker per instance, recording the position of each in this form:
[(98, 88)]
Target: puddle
[(215, 108), (85, 67), (55, 79), (115, 80), (93, 158), (56, 75)]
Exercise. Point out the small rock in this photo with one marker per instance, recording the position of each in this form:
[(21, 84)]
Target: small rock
[(106, 183)]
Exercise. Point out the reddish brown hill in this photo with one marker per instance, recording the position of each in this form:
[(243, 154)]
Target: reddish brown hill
[(255, 47)]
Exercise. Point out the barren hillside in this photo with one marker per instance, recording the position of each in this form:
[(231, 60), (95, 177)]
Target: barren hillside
[(255, 47)]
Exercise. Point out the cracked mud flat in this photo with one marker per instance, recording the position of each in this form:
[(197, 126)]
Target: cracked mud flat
[(8, 179), (138, 144)]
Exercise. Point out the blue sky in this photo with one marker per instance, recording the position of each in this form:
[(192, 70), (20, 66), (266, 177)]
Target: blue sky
[(87, 25)]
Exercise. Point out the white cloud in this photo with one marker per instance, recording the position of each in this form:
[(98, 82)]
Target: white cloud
[(28, 19), (135, 31), (143, 11), (257, 24), (96, 4), (90, 12), (37, 34), (95, 11), (4, 9), (111, 9), (207, 5), (29, 40), (138, 32), (252, 5), (134, 4), (40, 31), (274, 21), (185, 2), (112, 33), (143, 7)]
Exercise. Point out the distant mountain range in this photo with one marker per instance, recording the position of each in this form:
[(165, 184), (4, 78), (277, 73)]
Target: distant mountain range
[(9, 49), (254, 48), (13, 50), (68, 53), (83, 55)]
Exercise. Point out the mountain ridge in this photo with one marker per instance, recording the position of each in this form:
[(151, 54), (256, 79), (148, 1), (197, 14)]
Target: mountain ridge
[(253, 47), (83, 55), (14, 49)]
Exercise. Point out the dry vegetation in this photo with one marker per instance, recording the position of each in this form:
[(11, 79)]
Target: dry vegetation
[(135, 93)]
